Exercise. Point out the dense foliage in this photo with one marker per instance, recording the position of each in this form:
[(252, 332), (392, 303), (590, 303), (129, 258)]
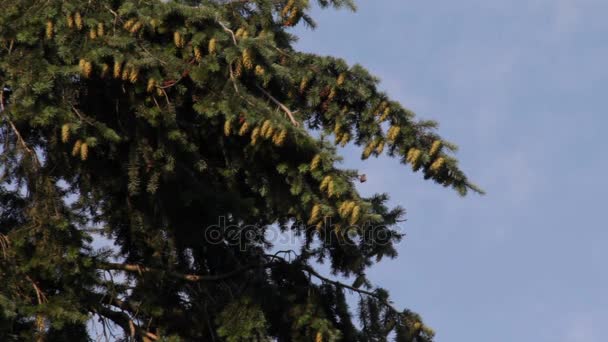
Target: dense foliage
[(155, 126)]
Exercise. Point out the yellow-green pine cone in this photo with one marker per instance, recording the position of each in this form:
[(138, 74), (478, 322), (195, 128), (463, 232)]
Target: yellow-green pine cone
[(151, 85), (380, 147), (316, 161), (100, 30), (70, 20), (393, 133), (389, 134), (373, 144), (78, 21), (81, 64), (269, 132), (341, 79), (129, 24), (414, 157), (279, 137), (177, 39), (244, 129), (84, 151), (238, 68), (212, 46), (409, 155), (126, 73), (198, 55), (354, 216), (337, 127), (265, 127), (49, 29), (348, 209), (319, 337), (247, 59), (287, 8), (87, 69), (319, 226), (255, 133), (76, 148), (93, 34), (345, 139), (134, 75), (331, 188), (154, 23), (303, 85), (437, 164), (325, 183), (368, 150), (275, 138), (314, 214), (342, 207), (428, 330), (294, 16), (227, 127), (65, 133), (136, 27), (380, 108), (332, 94), (435, 147), (259, 70), (385, 114), (338, 138), (117, 69)]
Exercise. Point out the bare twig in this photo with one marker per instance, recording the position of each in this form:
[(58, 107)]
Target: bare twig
[(233, 79), (80, 115), (227, 30), (22, 142), (39, 294), (282, 106), (19, 137), (4, 244), (40, 320), (2, 98)]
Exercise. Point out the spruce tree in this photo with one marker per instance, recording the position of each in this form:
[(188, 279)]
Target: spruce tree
[(149, 123)]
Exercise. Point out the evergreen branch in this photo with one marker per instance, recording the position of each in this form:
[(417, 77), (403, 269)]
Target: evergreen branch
[(383, 301), (281, 105), (133, 268), (124, 321)]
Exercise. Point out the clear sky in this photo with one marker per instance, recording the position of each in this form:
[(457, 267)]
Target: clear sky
[(521, 87)]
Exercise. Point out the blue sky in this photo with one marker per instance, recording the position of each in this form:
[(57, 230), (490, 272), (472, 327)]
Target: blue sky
[(520, 86)]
